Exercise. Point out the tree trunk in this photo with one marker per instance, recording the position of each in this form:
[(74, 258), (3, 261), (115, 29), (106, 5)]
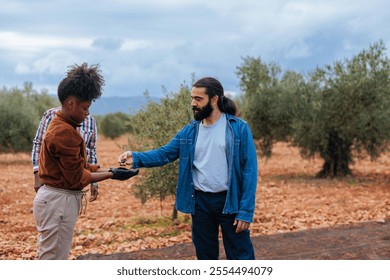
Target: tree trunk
[(337, 157), (174, 213)]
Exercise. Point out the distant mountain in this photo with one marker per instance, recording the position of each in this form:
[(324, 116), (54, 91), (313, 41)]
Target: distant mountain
[(128, 105)]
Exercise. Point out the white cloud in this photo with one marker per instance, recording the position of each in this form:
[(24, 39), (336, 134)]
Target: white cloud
[(54, 63), (132, 45), (108, 43), (22, 68), (34, 43), (144, 44), (297, 50)]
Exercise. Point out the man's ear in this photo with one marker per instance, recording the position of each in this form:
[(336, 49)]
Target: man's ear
[(214, 99)]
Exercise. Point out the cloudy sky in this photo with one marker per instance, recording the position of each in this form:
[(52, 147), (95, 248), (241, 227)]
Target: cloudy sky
[(144, 45)]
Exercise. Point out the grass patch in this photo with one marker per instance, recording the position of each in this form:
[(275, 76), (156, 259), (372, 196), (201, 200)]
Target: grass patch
[(152, 227), (143, 222)]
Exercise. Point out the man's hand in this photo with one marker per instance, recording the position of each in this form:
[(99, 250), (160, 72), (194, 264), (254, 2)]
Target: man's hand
[(241, 225), (37, 182), (125, 158), (94, 192)]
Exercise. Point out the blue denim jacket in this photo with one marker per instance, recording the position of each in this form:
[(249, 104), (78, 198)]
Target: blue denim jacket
[(242, 167)]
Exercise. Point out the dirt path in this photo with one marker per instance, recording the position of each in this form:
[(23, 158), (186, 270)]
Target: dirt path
[(365, 241), (291, 206)]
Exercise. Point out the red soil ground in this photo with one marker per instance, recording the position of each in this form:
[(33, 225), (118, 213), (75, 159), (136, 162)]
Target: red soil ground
[(289, 200)]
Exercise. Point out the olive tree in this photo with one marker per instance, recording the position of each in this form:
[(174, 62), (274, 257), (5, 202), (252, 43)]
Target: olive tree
[(338, 110), (20, 112), (269, 101), (154, 127), (113, 125), (345, 109)]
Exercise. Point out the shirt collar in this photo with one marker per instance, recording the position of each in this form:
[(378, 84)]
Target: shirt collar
[(67, 119)]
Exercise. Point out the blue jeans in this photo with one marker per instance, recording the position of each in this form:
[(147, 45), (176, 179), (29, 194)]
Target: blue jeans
[(206, 221)]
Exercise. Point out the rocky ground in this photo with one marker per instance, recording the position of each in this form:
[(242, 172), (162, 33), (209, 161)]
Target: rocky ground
[(361, 241), (290, 203)]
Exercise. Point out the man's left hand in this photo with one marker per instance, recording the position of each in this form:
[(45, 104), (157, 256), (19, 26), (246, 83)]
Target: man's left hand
[(94, 192), (241, 225)]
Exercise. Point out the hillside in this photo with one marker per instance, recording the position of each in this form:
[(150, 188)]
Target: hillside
[(128, 105)]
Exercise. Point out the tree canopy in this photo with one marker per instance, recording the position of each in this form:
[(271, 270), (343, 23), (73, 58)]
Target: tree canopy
[(338, 109), (20, 112), (154, 127)]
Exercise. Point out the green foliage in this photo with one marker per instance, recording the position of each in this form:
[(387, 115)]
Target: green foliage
[(113, 125), (347, 108), (99, 119), (20, 112), (154, 127), (341, 108), (269, 102), (41, 101)]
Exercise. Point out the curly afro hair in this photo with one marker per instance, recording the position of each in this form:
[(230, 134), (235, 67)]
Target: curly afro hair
[(86, 83)]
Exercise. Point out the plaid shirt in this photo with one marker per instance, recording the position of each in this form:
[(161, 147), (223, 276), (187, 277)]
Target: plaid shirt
[(88, 131)]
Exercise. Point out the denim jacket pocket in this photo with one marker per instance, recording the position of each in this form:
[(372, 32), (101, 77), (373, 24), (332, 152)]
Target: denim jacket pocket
[(185, 148)]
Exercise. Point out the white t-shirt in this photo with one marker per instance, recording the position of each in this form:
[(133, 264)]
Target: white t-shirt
[(210, 170)]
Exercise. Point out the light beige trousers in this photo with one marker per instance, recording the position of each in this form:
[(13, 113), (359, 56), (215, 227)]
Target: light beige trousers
[(55, 213)]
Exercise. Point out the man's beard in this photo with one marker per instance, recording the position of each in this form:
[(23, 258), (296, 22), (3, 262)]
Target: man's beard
[(203, 112)]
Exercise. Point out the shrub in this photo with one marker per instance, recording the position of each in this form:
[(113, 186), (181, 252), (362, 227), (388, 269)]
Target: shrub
[(18, 122), (114, 125)]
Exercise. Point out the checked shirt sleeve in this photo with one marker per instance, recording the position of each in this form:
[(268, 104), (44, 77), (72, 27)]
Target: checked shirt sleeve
[(38, 139), (88, 132)]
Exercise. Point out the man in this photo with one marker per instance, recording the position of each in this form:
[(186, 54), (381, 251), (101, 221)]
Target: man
[(217, 172), (63, 167), (88, 131)]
